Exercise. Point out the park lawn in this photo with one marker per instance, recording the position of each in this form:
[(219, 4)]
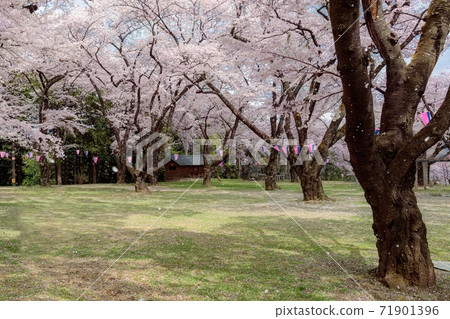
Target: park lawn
[(229, 242)]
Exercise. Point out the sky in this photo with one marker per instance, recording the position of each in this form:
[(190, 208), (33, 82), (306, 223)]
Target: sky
[(443, 63)]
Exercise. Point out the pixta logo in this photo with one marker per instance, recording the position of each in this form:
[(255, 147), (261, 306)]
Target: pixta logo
[(150, 152)]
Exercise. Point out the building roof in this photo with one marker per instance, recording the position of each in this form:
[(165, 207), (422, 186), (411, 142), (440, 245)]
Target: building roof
[(188, 160)]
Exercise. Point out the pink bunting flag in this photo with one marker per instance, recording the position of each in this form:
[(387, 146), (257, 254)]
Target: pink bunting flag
[(327, 161), (78, 152), (425, 117), (176, 156), (30, 155), (221, 164), (235, 161), (297, 150), (13, 158), (221, 153), (285, 149), (38, 158), (129, 158), (342, 175), (95, 159), (277, 148), (2, 154), (311, 148)]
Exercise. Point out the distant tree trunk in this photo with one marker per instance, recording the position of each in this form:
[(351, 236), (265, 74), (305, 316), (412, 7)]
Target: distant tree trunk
[(45, 171), (58, 172), (121, 169), (19, 172), (139, 184), (153, 178), (75, 169), (216, 171), (65, 172), (271, 172), (94, 173), (207, 175), (13, 168), (245, 172), (293, 174), (206, 160), (80, 173), (420, 180)]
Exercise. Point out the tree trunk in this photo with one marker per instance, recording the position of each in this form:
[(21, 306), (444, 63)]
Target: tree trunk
[(153, 178), (404, 257), (420, 175), (94, 173), (207, 175), (311, 182), (216, 171), (271, 172), (293, 174), (45, 172), (58, 172), (13, 169), (121, 169), (139, 184)]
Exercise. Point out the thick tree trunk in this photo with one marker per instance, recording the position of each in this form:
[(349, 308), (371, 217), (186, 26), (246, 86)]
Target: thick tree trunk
[(271, 172), (385, 165), (45, 172), (139, 184), (311, 183), (404, 256)]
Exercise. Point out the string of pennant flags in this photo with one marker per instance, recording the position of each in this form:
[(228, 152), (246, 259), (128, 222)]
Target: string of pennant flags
[(38, 157)]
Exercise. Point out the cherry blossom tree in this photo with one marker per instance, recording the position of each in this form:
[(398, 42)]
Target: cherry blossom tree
[(385, 164)]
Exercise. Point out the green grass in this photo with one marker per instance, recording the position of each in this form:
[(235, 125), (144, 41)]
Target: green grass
[(229, 242)]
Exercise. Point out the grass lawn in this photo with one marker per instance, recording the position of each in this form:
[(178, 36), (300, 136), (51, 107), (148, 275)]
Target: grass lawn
[(229, 242)]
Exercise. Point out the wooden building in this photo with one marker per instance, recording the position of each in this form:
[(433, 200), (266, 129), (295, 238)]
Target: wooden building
[(185, 166)]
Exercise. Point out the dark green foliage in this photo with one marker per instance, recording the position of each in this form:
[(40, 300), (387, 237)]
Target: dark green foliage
[(31, 172)]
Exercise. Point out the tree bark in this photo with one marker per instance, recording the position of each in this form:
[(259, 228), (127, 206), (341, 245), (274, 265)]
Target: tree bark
[(94, 173), (385, 166), (404, 256), (311, 182), (139, 184), (58, 172), (121, 169), (207, 175), (293, 174), (270, 180), (45, 172)]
